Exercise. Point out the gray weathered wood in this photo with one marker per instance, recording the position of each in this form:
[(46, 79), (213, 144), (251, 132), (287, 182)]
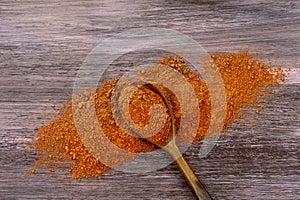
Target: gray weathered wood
[(43, 43)]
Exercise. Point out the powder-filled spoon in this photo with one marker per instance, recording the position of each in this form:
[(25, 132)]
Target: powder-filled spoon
[(171, 147)]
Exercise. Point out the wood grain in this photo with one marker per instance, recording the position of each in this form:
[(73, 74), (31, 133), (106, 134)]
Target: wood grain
[(43, 43)]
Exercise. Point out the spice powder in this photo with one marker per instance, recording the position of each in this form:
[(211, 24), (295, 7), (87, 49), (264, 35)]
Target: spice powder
[(247, 83)]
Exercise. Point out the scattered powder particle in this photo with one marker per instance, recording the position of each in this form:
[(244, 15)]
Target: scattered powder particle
[(247, 82)]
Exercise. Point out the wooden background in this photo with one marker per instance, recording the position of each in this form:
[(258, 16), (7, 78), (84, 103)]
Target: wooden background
[(43, 43)]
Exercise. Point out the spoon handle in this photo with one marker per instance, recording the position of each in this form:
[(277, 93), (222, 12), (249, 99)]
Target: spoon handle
[(188, 173)]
